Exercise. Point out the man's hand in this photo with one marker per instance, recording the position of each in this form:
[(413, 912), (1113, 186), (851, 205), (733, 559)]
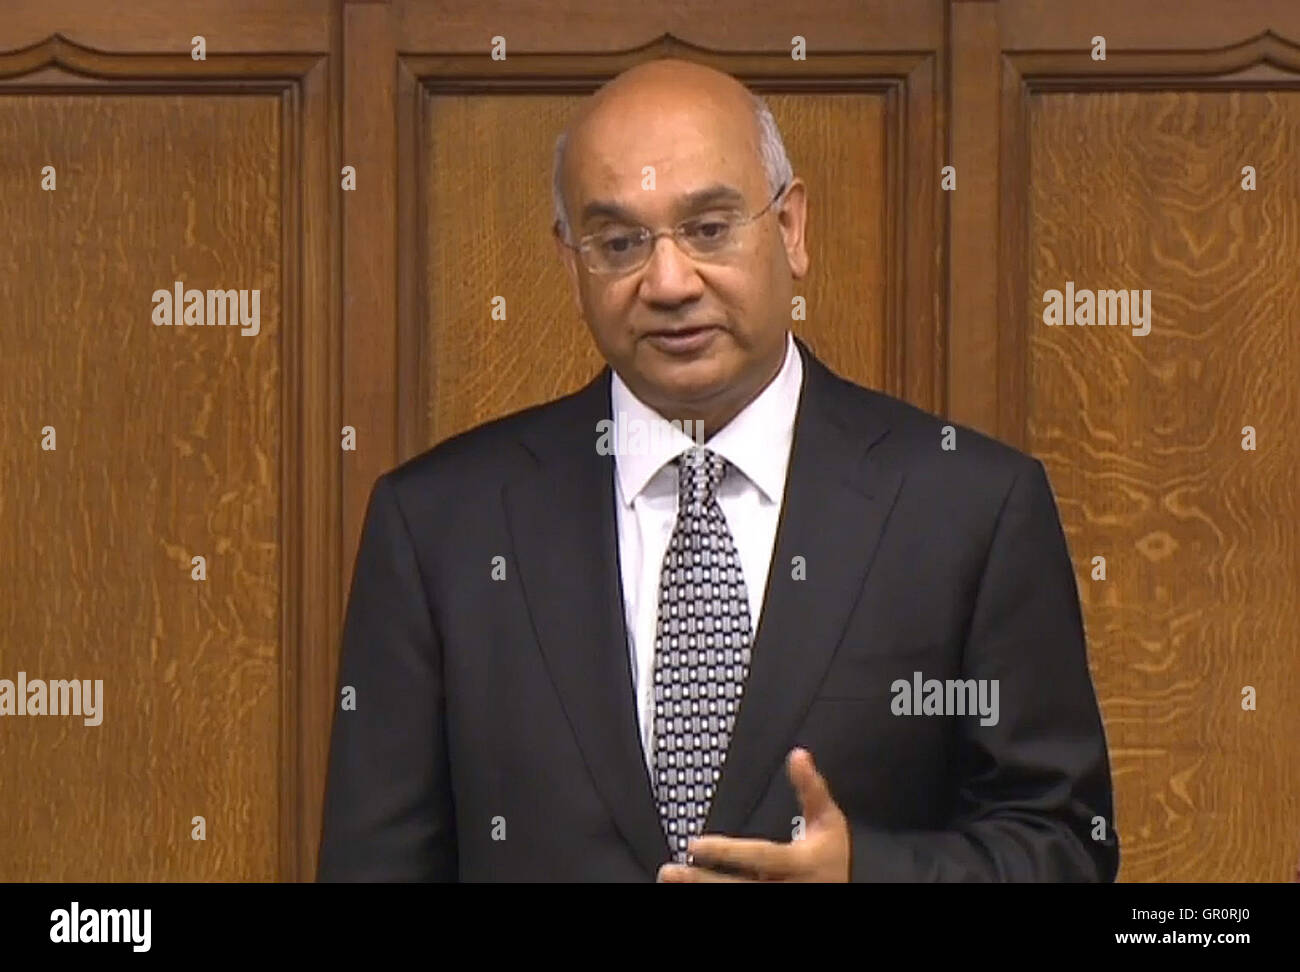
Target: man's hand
[(822, 854)]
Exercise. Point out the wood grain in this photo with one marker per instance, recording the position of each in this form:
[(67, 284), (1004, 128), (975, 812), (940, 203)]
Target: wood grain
[(727, 25), (1142, 439), (168, 446), (167, 25)]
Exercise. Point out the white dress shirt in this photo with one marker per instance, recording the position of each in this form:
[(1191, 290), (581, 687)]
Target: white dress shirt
[(757, 444)]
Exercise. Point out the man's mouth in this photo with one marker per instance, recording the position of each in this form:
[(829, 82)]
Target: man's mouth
[(683, 340)]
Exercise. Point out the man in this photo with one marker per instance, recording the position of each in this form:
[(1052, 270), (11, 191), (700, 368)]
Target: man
[(790, 637)]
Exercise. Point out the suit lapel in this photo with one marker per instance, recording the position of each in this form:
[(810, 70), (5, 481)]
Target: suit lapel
[(561, 518), (837, 499)]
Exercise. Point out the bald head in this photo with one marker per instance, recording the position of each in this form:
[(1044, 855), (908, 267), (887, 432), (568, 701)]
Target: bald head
[(658, 90)]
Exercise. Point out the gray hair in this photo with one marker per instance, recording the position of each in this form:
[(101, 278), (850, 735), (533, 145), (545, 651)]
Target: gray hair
[(771, 150)]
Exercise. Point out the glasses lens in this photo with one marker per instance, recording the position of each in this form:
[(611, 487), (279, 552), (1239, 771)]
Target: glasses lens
[(618, 249), (710, 235)]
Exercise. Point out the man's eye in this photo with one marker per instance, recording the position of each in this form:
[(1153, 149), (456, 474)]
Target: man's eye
[(618, 242), (708, 229)]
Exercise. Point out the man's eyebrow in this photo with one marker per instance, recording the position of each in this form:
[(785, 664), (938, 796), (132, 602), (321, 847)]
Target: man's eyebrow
[(708, 196), (711, 195)]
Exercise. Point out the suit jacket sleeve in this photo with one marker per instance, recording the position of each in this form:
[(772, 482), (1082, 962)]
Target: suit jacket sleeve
[(388, 809), (1030, 785)]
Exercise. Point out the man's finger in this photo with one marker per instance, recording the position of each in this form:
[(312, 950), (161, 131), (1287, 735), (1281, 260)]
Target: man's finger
[(763, 858), (809, 785), (687, 874)]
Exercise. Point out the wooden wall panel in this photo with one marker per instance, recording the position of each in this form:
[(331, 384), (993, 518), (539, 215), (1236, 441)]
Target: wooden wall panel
[(1142, 436), (368, 389), (488, 212), (1126, 172), (172, 442), (1142, 25), (849, 238), (465, 26), (168, 441), (974, 318), (156, 26)]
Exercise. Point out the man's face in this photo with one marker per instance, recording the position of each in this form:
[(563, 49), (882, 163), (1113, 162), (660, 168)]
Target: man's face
[(691, 338)]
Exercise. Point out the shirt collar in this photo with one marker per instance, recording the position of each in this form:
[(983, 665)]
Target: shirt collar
[(757, 441)]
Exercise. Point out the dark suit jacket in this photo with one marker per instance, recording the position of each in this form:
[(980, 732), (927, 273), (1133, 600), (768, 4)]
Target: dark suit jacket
[(503, 708)]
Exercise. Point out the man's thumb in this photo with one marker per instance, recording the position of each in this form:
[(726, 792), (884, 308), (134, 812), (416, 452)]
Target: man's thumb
[(809, 785)]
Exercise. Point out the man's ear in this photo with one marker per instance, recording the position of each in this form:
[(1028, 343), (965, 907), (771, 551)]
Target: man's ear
[(570, 261), (792, 220)]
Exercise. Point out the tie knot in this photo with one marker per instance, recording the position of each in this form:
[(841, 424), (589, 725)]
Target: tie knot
[(699, 471)]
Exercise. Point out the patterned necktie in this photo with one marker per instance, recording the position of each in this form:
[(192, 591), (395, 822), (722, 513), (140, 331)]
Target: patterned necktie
[(702, 646)]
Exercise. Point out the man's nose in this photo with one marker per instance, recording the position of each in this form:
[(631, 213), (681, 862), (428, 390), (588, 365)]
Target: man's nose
[(670, 275)]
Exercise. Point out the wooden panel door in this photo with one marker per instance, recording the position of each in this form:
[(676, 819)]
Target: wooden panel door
[(129, 447), (1168, 169)]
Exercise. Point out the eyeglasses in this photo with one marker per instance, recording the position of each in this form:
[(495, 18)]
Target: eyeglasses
[(710, 237)]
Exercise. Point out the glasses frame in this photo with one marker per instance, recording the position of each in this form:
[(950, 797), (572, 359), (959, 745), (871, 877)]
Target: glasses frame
[(582, 248)]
